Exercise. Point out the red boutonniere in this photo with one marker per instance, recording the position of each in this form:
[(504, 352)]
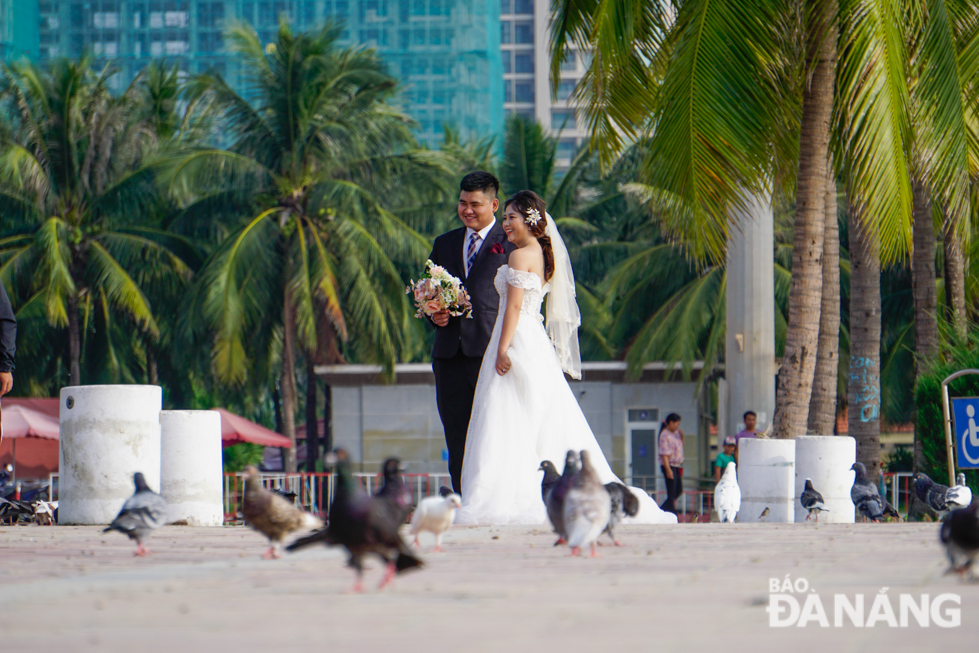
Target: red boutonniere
[(497, 248)]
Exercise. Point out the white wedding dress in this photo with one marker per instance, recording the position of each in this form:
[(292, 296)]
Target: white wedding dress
[(524, 417)]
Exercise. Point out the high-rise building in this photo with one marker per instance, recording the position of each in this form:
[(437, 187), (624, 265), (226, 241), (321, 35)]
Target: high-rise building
[(445, 52), (524, 45), (18, 28)]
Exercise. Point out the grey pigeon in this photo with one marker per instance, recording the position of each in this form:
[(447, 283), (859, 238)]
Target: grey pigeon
[(394, 490), (866, 499), (550, 479), (142, 513), (960, 535), (587, 508), (557, 495), (942, 498), (623, 503), (812, 501), (363, 525)]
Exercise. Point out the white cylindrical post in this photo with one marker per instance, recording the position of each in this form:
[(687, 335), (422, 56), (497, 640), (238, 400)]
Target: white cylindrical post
[(190, 466), (108, 433), (826, 459), (766, 474)]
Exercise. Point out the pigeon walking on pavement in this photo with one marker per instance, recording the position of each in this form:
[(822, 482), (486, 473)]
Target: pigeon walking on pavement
[(435, 515), (941, 498), (394, 490), (556, 496), (864, 494), (727, 494), (363, 525), (812, 501), (960, 535), (271, 514), (622, 503), (142, 514), (587, 508), (549, 480)]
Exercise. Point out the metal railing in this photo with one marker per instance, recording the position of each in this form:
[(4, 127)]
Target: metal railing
[(900, 486), (314, 491)]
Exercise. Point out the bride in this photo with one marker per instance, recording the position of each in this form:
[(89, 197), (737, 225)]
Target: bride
[(524, 411)]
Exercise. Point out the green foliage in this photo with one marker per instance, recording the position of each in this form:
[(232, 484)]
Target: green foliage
[(899, 460), (238, 456)]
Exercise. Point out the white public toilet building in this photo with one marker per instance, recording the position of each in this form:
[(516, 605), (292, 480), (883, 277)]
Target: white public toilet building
[(373, 419)]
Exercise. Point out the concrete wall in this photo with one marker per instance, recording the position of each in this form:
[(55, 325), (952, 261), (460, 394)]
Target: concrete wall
[(373, 422)]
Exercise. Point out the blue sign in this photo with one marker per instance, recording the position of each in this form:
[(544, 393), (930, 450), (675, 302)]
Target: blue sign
[(965, 411)]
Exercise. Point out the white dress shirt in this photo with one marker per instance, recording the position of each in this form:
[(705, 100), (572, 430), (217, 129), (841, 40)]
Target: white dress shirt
[(479, 243)]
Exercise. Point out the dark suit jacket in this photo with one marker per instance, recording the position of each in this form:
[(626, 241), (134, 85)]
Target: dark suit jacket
[(471, 335), (8, 332)]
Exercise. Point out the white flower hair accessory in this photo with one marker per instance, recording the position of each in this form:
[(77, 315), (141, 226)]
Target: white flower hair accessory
[(533, 216)]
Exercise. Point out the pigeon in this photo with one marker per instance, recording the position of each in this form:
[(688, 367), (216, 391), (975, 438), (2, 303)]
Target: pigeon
[(271, 514), (11, 510), (727, 494), (889, 510), (941, 498), (445, 491), (960, 535), (587, 508), (866, 499), (44, 512), (435, 515), (288, 496), (695, 517), (812, 501), (551, 477), (362, 524), (142, 513), (558, 494), (622, 503), (764, 514), (394, 491), (959, 495)]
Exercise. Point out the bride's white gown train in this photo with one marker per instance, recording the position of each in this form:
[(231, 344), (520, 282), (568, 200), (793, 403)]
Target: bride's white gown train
[(523, 417)]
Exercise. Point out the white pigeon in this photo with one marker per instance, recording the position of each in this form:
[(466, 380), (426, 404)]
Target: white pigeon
[(44, 512), (727, 495), (435, 515), (587, 508), (959, 495)]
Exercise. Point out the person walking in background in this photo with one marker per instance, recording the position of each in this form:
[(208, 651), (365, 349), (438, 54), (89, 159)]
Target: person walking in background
[(749, 431), (671, 460), (8, 342), (725, 457)]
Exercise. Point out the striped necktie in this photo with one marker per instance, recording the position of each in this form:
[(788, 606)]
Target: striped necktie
[(471, 251)]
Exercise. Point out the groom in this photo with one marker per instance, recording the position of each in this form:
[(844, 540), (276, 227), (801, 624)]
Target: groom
[(473, 253)]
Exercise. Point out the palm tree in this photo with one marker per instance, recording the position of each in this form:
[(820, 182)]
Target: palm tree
[(299, 189), (74, 183), (735, 97)]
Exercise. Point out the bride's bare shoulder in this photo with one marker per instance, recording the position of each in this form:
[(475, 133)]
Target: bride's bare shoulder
[(521, 259)]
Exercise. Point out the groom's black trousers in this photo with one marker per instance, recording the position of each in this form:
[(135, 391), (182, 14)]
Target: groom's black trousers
[(455, 387)]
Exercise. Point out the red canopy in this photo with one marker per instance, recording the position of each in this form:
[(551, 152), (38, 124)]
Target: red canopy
[(22, 422), (236, 429)]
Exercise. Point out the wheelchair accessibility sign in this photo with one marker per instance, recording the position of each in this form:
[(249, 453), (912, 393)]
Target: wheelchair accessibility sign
[(966, 413)]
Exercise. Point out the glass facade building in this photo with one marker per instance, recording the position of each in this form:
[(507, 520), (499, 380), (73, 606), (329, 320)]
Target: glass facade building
[(446, 53)]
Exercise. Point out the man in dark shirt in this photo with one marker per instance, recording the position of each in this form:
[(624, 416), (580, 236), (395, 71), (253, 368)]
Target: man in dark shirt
[(8, 342)]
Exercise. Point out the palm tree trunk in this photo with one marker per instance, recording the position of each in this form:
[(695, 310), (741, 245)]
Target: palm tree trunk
[(152, 372), (805, 295), (74, 342), (822, 407), (925, 294), (954, 280), (863, 396), (312, 427), (288, 382)]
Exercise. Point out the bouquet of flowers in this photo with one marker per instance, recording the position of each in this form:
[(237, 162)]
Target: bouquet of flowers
[(437, 290)]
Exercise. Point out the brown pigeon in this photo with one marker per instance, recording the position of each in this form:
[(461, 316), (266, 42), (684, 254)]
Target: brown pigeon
[(272, 515)]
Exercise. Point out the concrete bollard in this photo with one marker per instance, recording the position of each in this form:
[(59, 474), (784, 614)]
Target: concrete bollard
[(108, 433), (826, 459), (190, 466), (766, 474)]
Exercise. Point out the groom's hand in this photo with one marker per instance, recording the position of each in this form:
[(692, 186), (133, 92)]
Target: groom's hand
[(441, 318)]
